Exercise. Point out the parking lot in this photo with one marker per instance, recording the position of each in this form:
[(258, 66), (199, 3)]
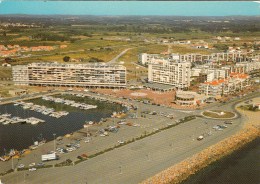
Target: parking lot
[(182, 140)]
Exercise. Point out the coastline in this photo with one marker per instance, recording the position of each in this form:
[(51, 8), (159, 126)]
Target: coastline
[(181, 171), (235, 168)]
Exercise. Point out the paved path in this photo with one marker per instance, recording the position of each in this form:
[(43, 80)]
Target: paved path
[(114, 60)]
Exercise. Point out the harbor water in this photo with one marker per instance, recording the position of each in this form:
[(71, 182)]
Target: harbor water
[(21, 136), (242, 166)]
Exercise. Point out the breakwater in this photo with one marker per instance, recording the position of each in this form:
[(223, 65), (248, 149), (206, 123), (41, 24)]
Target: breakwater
[(188, 167)]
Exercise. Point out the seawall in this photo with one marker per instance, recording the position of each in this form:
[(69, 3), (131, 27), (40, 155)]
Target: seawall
[(188, 167)]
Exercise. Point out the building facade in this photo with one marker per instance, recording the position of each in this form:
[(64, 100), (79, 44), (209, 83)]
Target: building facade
[(236, 82), (172, 73), (185, 98), (236, 56), (80, 75)]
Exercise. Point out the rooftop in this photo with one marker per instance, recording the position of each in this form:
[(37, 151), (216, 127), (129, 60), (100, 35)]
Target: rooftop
[(156, 86)]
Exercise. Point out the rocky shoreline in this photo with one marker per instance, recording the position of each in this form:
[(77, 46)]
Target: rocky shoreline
[(188, 167)]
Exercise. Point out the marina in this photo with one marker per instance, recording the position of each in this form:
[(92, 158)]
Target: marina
[(26, 135), (6, 119), (69, 102), (42, 109)]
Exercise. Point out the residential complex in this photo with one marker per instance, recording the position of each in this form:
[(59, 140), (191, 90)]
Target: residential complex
[(234, 83), (172, 73), (146, 59), (81, 75), (208, 72), (17, 50), (237, 56)]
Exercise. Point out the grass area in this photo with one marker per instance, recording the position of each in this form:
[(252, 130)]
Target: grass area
[(216, 114), (183, 49), (249, 108), (131, 58), (5, 72)]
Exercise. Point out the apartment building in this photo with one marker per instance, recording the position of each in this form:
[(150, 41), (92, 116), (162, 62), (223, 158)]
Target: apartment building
[(20, 74), (146, 59), (236, 56), (234, 83), (248, 66), (80, 75), (172, 73), (210, 72)]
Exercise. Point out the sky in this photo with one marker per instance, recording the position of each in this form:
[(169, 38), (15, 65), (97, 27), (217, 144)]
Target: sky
[(164, 8)]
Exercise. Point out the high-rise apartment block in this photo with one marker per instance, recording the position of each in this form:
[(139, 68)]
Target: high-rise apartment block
[(171, 73), (80, 75)]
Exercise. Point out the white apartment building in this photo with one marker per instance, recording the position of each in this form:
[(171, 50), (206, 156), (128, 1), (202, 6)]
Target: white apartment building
[(238, 56), (80, 75), (249, 66), (235, 82), (172, 73), (146, 59), (20, 74), (212, 73)]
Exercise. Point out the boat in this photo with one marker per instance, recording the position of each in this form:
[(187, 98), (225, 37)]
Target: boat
[(42, 142), (86, 125), (33, 147), (6, 115), (6, 122)]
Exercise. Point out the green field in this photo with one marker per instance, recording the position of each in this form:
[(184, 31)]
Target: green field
[(216, 114)]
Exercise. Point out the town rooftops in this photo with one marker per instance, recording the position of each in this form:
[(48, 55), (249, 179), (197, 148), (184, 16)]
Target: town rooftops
[(216, 82), (239, 75)]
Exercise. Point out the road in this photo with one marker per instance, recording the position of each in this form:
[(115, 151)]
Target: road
[(141, 159), (114, 60), (134, 162)]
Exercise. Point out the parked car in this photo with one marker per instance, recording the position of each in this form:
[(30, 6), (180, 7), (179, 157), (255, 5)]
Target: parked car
[(21, 166), (200, 138), (121, 142), (79, 157), (32, 169), (84, 155), (31, 164), (40, 164)]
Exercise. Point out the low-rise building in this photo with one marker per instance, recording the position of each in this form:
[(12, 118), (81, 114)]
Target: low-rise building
[(188, 98), (234, 83)]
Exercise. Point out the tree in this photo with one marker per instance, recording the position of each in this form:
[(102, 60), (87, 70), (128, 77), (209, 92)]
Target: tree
[(4, 34), (8, 59), (221, 46), (66, 59)]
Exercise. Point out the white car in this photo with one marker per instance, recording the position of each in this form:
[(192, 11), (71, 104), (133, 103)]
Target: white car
[(20, 166), (121, 142), (69, 149), (32, 169), (32, 164)]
